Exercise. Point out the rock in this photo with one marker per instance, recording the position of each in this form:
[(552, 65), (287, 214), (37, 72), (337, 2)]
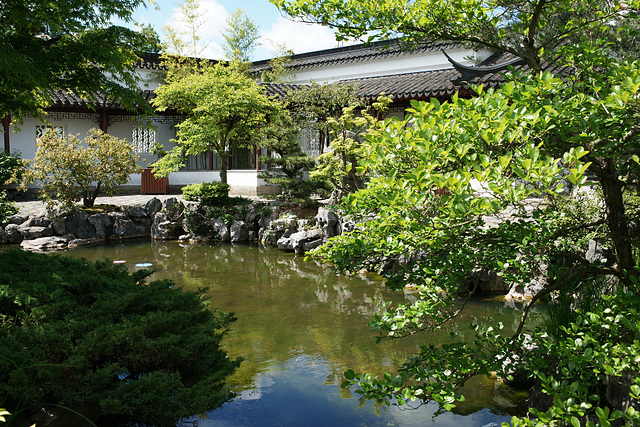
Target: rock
[(3, 237), (163, 229), (328, 221), (38, 221), (124, 227), (13, 234), (220, 229), (84, 242), (173, 208), (515, 293), (45, 243), (239, 232), (297, 241), (102, 224), (489, 282), (17, 219), (30, 233), (135, 211), (283, 227), (75, 223), (152, 207)]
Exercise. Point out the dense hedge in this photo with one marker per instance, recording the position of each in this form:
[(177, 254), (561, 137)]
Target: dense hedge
[(95, 339)]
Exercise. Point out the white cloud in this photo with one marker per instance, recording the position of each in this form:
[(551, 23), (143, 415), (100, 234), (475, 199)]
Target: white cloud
[(298, 36), (213, 18)]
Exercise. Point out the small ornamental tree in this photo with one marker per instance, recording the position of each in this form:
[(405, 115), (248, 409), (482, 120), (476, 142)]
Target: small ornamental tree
[(71, 170), (224, 107), (287, 166)]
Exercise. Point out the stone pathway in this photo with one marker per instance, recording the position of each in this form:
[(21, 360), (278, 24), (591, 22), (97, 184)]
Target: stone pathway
[(35, 207)]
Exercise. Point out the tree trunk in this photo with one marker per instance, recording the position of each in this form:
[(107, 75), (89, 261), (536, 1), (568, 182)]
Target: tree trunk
[(224, 161), (607, 173), (89, 198)]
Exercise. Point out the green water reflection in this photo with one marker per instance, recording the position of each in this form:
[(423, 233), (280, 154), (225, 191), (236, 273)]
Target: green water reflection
[(300, 326)]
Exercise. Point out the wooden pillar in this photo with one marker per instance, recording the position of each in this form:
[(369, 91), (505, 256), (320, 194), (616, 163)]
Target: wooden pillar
[(104, 121), (6, 123), (210, 159)]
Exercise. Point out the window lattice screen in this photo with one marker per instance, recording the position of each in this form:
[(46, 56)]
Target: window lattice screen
[(143, 139)]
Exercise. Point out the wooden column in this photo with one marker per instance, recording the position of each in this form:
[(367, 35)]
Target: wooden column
[(6, 123), (104, 121)]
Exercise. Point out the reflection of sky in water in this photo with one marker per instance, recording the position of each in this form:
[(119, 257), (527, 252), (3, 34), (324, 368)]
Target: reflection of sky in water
[(299, 327), (293, 394)]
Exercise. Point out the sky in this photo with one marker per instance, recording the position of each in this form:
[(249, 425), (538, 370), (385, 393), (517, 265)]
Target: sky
[(274, 29)]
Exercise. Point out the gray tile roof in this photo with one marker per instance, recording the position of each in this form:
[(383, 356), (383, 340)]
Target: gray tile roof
[(350, 54)]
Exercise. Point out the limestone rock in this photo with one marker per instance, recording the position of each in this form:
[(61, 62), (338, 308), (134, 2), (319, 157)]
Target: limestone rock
[(173, 208), (297, 241), (239, 232), (102, 224), (42, 244), (37, 221), (134, 211), (13, 234), (152, 207), (125, 227), (75, 223), (35, 232), (283, 227), (17, 219), (220, 229), (3, 236), (328, 221), (163, 229)]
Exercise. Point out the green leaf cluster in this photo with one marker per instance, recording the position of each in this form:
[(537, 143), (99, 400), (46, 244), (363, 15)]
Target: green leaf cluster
[(224, 108), (70, 170), (94, 338), (70, 46)]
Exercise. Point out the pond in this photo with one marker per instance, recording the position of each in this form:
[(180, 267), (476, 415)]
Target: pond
[(299, 327)]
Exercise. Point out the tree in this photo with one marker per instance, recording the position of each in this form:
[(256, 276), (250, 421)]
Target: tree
[(278, 71), (286, 162), (187, 41), (529, 30), (441, 174), (241, 37), (340, 165), (317, 103), (111, 344), (70, 170), (224, 109), (67, 46)]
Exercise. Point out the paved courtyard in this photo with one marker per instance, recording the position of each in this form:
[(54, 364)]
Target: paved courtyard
[(33, 207)]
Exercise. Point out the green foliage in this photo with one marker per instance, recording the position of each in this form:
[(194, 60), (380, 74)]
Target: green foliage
[(461, 185), (287, 162), (278, 71), (94, 337), (340, 165), (71, 46), (317, 103), (7, 208), (224, 109), (11, 166), (70, 170), (184, 39), (240, 37), (207, 193), (529, 30)]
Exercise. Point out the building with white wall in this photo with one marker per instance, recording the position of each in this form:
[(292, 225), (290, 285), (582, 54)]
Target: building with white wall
[(421, 73)]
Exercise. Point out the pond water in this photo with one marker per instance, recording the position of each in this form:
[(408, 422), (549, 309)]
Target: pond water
[(299, 327)]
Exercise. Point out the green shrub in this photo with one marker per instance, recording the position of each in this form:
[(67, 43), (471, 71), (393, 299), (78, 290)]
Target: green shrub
[(207, 193), (10, 163), (91, 336)]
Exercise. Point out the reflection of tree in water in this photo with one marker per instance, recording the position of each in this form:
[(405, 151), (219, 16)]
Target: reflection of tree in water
[(288, 308)]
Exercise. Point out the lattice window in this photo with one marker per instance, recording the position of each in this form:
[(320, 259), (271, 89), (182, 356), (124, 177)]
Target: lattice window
[(42, 129), (143, 139)]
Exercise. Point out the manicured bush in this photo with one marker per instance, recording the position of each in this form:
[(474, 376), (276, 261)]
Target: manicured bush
[(207, 193), (93, 338)]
